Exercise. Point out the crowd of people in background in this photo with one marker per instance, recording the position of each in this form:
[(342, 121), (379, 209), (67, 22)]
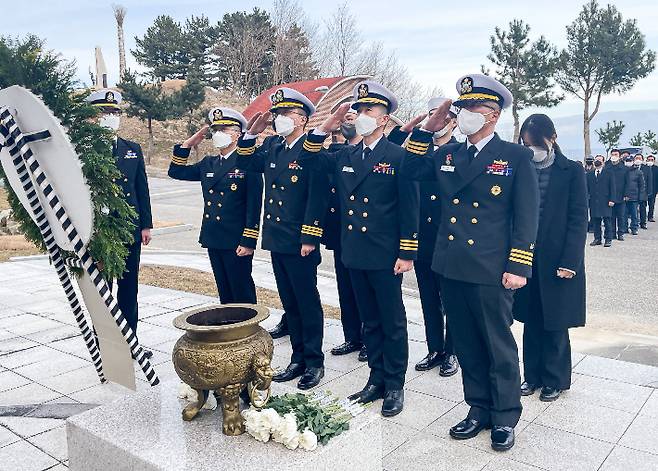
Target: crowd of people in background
[(622, 195)]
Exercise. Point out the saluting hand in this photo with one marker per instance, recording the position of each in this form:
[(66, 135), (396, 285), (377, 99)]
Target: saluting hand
[(307, 249), (511, 281), (259, 121), (333, 122), (439, 118), (413, 123), (402, 266), (244, 251), (196, 139)]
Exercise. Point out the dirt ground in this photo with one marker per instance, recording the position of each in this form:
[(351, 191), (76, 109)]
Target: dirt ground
[(200, 282), (3, 199), (15, 246)]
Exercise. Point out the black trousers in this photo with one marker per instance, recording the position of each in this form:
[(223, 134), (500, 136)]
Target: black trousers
[(127, 286), (379, 297), (297, 283), (233, 276), (349, 311), (609, 229), (429, 288), (619, 222), (652, 205), (546, 354), (643, 213), (480, 317)]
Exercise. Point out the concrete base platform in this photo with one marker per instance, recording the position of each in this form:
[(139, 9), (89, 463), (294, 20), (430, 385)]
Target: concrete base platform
[(145, 431)]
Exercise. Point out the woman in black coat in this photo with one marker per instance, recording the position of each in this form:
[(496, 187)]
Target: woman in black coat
[(554, 298)]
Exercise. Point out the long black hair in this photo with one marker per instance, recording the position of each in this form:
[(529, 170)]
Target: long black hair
[(539, 128)]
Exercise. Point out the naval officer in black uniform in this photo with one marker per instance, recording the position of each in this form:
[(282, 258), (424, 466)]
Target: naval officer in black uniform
[(379, 235), (296, 195), (232, 199), (439, 345), (349, 310), (133, 182), (484, 248)]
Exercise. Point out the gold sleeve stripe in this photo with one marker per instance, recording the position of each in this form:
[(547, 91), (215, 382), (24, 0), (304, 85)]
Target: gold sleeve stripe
[(310, 147), (250, 235), (522, 252), (408, 244), (414, 249), (419, 145), (308, 229), (522, 257), (418, 152), (250, 231), (520, 260), (410, 241), (179, 161), (246, 150)]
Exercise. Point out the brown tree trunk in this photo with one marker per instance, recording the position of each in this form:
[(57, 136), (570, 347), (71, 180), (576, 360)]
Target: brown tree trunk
[(515, 115), (120, 15), (149, 149), (586, 121)]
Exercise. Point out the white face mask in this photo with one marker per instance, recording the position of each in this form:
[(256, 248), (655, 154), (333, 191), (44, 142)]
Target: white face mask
[(365, 125), (628, 164), (470, 122), (110, 121), (441, 132), (539, 153), (650, 163), (221, 140), (639, 162), (614, 158), (284, 125)]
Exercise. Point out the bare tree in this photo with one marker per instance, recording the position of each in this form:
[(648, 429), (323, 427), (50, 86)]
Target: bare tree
[(120, 15), (341, 41)]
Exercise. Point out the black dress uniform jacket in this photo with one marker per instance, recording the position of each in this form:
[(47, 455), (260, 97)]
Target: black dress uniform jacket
[(232, 199), (561, 244), (133, 182), (379, 208), (296, 194), (635, 186), (331, 236), (601, 191), (489, 208)]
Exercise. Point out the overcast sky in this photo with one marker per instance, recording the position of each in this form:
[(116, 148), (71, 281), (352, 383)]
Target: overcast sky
[(437, 40)]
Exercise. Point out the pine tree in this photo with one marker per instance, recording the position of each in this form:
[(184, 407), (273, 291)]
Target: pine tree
[(637, 140), (526, 68), (610, 135), (27, 62), (160, 50)]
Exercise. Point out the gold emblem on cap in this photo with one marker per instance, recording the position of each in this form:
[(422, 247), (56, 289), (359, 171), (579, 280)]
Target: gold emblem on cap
[(277, 97), (217, 115), (294, 178), (363, 90), (467, 85), (495, 190), (109, 97), (234, 187)]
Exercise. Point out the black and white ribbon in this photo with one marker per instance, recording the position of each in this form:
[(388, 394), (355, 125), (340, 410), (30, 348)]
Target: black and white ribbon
[(27, 166)]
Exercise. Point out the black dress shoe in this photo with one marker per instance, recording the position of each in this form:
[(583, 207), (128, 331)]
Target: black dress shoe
[(634, 232), (363, 354), (549, 394), (620, 237), (368, 394), (347, 347), (431, 360), (467, 428), (502, 438), (652, 220), (393, 403), (294, 370), (644, 226), (528, 389), (311, 378), (608, 243), (449, 366), (280, 330), (595, 242)]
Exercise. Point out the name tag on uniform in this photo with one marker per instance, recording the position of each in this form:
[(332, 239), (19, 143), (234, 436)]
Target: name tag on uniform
[(210, 175), (348, 169), (130, 155), (447, 168), (272, 165)]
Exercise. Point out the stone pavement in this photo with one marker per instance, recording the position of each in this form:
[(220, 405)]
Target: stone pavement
[(607, 421)]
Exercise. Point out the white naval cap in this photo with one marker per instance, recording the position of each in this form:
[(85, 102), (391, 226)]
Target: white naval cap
[(226, 117), (435, 102), (370, 92), (342, 102), (476, 88), (105, 98), (286, 97)]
